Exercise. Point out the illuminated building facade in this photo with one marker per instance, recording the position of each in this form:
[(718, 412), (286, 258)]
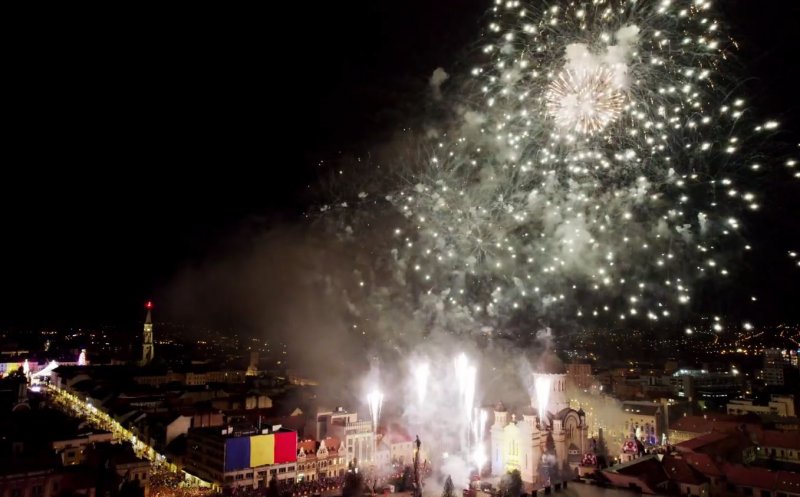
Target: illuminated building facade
[(358, 436), (545, 447), (242, 457), (147, 337)]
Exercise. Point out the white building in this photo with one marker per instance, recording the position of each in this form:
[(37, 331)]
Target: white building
[(357, 436), (779, 405), (545, 447)]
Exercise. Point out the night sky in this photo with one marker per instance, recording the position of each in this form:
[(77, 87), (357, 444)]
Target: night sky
[(143, 141)]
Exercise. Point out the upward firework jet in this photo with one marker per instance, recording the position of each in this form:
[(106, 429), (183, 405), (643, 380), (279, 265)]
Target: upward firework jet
[(465, 375), (607, 168), (421, 373), (479, 456), (375, 402), (542, 386)]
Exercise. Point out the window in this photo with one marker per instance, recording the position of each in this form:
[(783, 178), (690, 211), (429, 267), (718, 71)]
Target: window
[(731, 488), (37, 491), (249, 476), (239, 476), (16, 492), (748, 491), (766, 493)]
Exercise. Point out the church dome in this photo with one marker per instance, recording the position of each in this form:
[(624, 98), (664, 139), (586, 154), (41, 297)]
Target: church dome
[(549, 363)]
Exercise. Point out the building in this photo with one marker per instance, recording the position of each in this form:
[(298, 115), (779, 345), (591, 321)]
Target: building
[(759, 482), (779, 405), (645, 421), (779, 446), (694, 475), (778, 364), (772, 375), (401, 446), (547, 444), (358, 436), (147, 337), (580, 375), (320, 460), (72, 449), (39, 478), (732, 447), (125, 468), (688, 427), (702, 386), (243, 456), (644, 475)]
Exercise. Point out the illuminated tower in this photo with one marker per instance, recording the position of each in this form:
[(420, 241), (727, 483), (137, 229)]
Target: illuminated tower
[(147, 342)]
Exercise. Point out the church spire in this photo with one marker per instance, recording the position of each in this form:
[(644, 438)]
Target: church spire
[(147, 336)]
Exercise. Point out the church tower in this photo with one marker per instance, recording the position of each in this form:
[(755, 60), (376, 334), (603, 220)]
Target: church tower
[(147, 337), (497, 457)]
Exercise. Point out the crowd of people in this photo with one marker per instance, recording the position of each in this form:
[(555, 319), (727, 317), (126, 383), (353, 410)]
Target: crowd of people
[(306, 488), (318, 486)]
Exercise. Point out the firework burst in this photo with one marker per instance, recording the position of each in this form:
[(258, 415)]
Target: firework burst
[(603, 166), (604, 174), (584, 102)]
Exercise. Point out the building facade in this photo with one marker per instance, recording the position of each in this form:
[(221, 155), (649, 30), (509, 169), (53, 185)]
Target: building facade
[(243, 456), (779, 405), (645, 421), (320, 460), (358, 436), (546, 445)]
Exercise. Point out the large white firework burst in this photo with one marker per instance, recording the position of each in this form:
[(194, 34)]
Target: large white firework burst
[(603, 174), (585, 101)]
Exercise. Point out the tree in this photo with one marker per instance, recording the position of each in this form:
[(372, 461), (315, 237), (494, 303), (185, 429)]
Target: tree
[(407, 481), (353, 483), (602, 450), (272, 488), (449, 490), (511, 484)]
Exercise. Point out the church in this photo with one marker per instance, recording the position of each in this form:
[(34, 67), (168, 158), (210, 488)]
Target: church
[(545, 447)]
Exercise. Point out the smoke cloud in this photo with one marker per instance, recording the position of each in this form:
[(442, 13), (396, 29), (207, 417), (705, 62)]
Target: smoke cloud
[(438, 77)]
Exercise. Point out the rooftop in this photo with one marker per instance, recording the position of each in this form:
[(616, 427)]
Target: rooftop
[(780, 439), (702, 441), (678, 469), (703, 463), (716, 422)]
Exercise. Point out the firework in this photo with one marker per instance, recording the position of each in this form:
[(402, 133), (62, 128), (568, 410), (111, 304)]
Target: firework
[(542, 384), (604, 173), (466, 376), (375, 401), (421, 374), (585, 102), (479, 446)]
